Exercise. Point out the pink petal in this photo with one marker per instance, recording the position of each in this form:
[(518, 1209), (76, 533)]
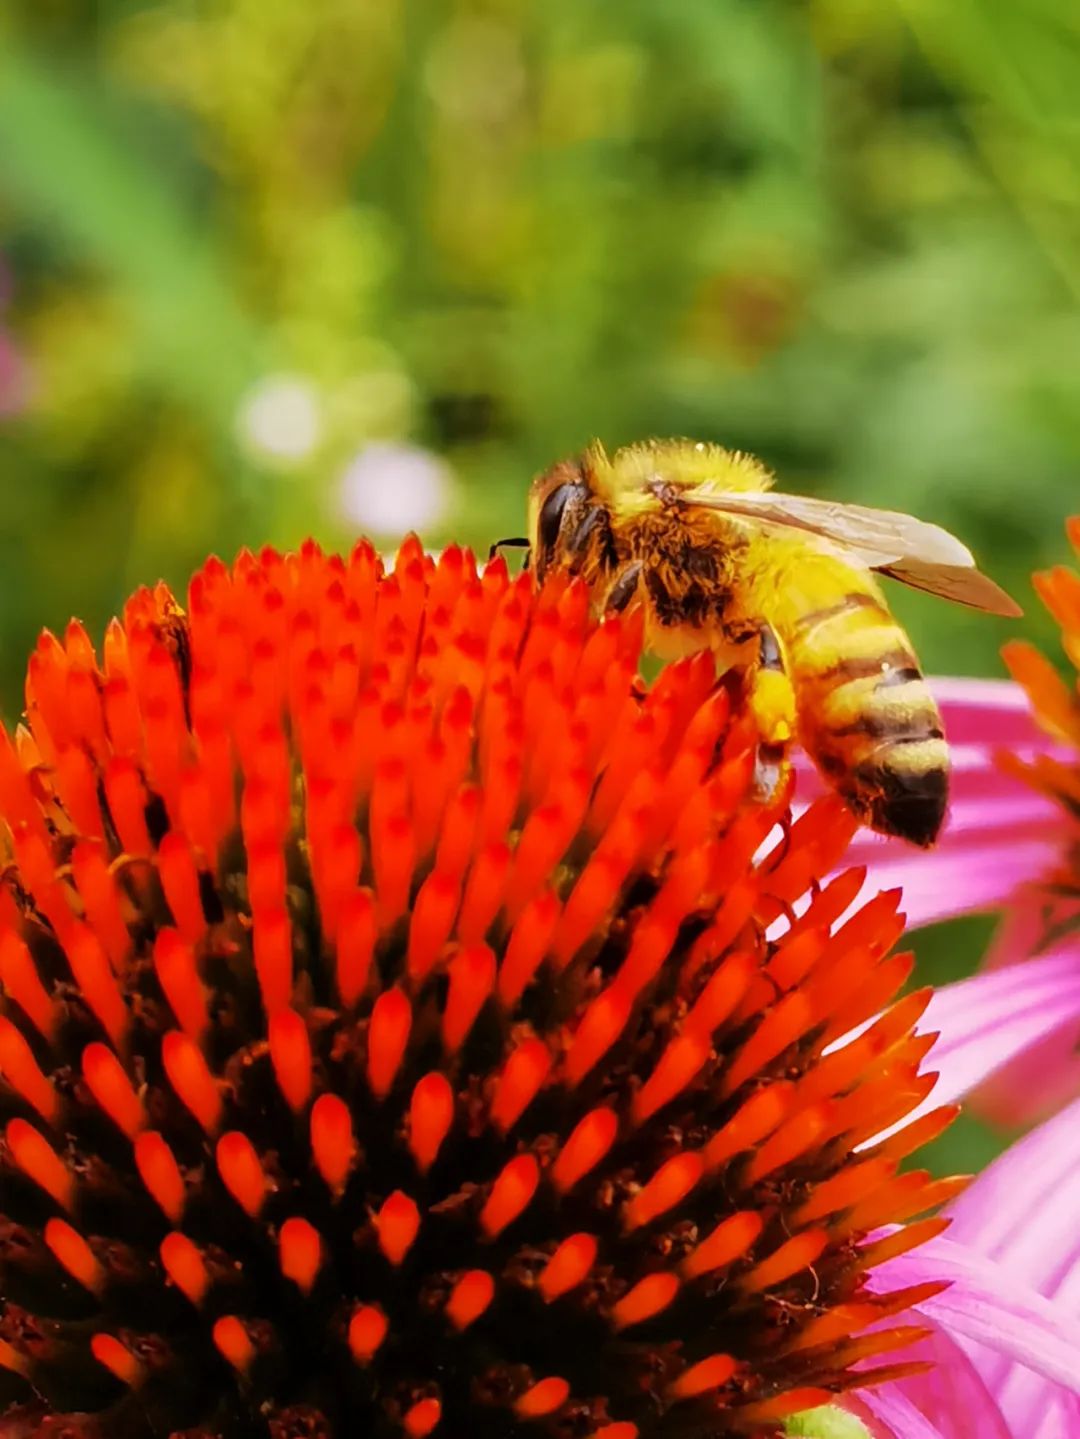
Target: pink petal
[(1023, 1209), (1034, 1085), (950, 1400), (990, 1305), (988, 1020), (1061, 1420), (893, 1416), (990, 712), (1021, 1392)]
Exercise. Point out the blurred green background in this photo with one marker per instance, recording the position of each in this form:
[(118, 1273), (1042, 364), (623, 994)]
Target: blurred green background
[(275, 267)]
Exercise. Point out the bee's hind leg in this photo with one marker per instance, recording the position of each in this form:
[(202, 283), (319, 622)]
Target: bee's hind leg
[(771, 699)]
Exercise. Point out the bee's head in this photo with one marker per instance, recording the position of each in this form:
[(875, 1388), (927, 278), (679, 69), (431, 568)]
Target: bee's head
[(558, 504)]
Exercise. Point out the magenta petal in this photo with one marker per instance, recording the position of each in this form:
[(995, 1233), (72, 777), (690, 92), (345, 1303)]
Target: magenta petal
[(893, 1416), (989, 1021), (1061, 1419), (1036, 1084), (991, 1305), (991, 1018), (951, 1397), (989, 712), (1023, 1212), (1023, 1209)]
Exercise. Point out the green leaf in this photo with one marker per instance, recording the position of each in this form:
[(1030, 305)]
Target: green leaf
[(827, 1422)]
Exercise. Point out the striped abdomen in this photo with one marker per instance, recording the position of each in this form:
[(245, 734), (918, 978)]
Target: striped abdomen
[(866, 715)]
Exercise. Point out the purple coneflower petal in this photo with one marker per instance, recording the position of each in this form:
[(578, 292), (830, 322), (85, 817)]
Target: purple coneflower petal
[(1022, 1210), (951, 1400), (993, 1308), (892, 1415), (988, 1020), (994, 1019)]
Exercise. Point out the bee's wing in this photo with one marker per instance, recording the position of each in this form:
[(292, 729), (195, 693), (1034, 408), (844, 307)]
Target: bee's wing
[(919, 554)]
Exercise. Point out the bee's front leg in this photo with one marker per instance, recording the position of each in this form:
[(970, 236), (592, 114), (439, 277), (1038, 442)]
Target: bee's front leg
[(770, 698)]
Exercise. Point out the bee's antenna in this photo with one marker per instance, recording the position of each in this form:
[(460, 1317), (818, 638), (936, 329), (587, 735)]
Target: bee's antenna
[(516, 542)]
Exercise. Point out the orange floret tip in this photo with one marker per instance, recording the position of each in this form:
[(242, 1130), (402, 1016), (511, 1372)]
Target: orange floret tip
[(414, 1022)]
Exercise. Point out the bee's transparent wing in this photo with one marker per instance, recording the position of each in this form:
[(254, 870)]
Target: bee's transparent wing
[(919, 554)]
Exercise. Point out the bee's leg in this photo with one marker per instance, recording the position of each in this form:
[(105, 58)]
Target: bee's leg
[(771, 698), (624, 589), (515, 542)]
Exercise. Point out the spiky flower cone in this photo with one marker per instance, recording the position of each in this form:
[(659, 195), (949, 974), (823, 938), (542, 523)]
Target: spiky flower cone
[(391, 1042)]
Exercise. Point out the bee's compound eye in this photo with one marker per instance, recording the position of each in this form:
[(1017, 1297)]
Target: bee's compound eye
[(551, 515)]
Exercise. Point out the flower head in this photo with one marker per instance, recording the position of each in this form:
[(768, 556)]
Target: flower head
[(392, 1042)]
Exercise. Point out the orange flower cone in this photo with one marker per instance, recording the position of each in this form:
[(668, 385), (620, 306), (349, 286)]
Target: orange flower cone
[(407, 1030)]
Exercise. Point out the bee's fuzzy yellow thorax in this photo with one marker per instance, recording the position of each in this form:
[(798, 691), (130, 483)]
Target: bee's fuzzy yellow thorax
[(686, 464)]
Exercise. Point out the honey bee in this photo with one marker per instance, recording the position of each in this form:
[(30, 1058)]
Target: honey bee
[(782, 587)]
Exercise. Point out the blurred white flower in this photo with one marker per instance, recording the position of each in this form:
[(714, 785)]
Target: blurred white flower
[(389, 489), (281, 417)]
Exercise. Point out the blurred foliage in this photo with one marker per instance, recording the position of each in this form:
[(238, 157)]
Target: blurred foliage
[(843, 234)]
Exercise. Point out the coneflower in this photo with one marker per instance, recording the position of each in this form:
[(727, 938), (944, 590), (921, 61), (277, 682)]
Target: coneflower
[(407, 1030)]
